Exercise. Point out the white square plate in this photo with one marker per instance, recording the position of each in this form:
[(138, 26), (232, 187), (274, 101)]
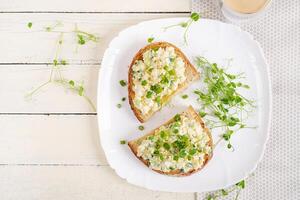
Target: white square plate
[(217, 42)]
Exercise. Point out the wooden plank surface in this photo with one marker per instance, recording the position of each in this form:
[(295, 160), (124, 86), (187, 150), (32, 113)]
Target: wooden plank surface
[(95, 6), (43, 139), (19, 44), (49, 145), (73, 183), (16, 81)]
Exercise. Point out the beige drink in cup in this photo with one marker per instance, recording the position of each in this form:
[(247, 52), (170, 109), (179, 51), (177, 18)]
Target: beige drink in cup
[(242, 10)]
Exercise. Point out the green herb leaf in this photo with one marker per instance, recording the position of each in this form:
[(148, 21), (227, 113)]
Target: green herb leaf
[(81, 39), (149, 94), (48, 29), (177, 117), (157, 99), (150, 39), (122, 141), (182, 153), (29, 25), (166, 146), (123, 99), (141, 128), (156, 88), (175, 157), (63, 62), (72, 83), (80, 91), (195, 16), (241, 184), (163, 134), (144, 82), (123, 83), (202, 114), (224, 192), (185, 96), (119, 105), (55, 62)]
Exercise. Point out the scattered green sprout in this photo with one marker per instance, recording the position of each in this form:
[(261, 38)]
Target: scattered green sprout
[(186, 25), (225, 192), (119, 105), (123, 142), (222, 104), (185, 96), (123, 83), (56, 66), (52, 27), (84, 37), (29, 25), (141, 128), (150, 39)]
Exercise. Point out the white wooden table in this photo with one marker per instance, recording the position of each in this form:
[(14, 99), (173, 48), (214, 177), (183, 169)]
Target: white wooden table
[(49, 147)]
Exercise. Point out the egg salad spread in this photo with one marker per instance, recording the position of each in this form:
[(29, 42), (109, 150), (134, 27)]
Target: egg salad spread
[(180, 145), (156, 76)]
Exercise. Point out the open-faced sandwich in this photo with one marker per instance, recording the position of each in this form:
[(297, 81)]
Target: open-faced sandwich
[(180, 147), (157, 72)]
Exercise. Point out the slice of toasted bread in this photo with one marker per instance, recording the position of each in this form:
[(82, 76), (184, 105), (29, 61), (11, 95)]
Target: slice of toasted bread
[(190, 73), (191, 113)]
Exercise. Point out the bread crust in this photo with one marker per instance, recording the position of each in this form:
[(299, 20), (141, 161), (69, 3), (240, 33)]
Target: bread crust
[(133, 145), (190, 72)]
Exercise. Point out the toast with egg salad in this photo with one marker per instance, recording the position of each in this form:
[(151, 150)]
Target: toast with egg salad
[(180, 147), (157, 72)]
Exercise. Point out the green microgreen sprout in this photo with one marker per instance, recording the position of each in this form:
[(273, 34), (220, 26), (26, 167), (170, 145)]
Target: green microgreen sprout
[(225, 192), (222, 104), (56, 75), (122, 141), (119, 105), (150, 39), (141, 128), (84, 37), (185, 96), (29, 25), (186, 25)]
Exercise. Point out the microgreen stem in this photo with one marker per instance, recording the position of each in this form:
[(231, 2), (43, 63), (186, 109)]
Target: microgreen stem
[(186, 25), (37, 89)]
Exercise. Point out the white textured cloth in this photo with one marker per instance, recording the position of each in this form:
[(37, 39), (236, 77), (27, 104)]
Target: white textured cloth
[(278, 31)]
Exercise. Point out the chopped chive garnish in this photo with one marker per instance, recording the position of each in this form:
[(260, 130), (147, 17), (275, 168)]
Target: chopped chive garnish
[(150, 39), (202, 114), (144, 82), (123, 83), (177, 118), (141, 128), (149, 94), (122, 141), (185, 96), (166, 146)]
